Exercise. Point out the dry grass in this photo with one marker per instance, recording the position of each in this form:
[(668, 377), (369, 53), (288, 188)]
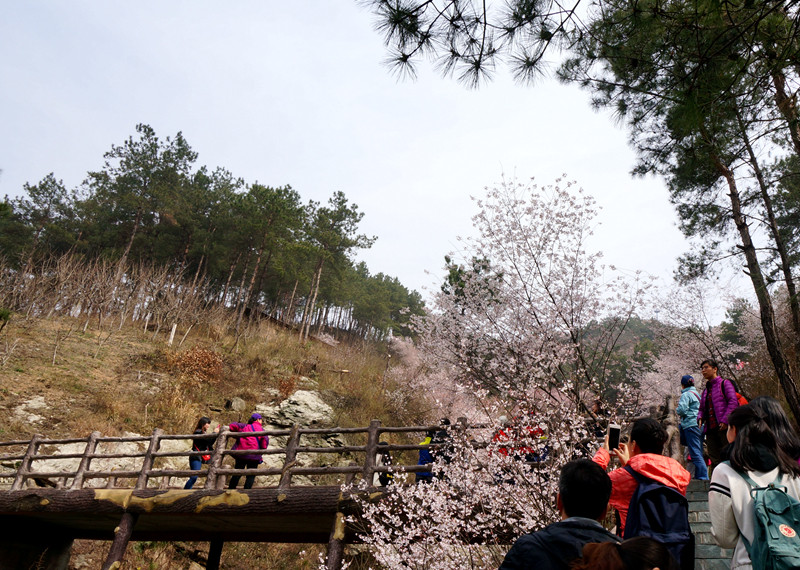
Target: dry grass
[(130, 382)]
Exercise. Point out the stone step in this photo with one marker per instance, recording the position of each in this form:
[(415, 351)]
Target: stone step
[(712, 564), (708, 556)]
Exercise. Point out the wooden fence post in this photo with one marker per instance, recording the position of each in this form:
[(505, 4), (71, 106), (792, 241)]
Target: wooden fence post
[(291, 457), (123, 532), (25, 466), (371, 451), (215, 463), (86, 460)]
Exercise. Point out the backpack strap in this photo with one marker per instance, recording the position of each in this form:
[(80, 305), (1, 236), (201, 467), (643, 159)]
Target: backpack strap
[(636, 475)]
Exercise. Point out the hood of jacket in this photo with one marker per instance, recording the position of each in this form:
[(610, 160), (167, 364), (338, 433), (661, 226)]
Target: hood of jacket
[(662, 469)]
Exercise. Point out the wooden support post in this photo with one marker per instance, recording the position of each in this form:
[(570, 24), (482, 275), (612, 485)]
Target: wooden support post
[(371, 451), (147, 464), (290, 458), (123, 532), (86, 460), (122, 535), (214, 554), (214, 481), (25, 467), (336, 544)]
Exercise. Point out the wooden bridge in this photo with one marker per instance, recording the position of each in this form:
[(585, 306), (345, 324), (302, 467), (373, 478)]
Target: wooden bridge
[(55, 506)]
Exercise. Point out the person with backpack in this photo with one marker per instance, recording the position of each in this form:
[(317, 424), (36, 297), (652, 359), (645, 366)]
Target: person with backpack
[(691, 437), (248, 460), (582, 501), (753, 497), (649, 490), (717, 401), (200, 444)]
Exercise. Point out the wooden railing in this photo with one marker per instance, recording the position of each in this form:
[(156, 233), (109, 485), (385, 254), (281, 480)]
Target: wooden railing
[(29, 454)]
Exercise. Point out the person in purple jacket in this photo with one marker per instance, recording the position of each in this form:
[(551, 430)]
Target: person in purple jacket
[(248, 461), (716, 403)]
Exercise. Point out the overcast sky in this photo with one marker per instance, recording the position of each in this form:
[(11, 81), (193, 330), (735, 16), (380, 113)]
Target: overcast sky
[(298, 93)]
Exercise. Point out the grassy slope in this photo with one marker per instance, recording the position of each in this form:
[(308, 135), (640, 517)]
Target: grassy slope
[(116, 381)]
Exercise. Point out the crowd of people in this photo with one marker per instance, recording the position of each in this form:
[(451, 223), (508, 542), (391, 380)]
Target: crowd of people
[(751, 451)]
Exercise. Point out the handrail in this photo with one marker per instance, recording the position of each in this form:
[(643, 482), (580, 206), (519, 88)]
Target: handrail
[(149, 467)]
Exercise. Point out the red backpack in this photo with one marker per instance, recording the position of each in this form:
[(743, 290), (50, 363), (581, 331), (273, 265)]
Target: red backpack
[(741, 399)]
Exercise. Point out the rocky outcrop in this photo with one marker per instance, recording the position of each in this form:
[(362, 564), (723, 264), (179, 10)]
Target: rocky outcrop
[(304, 408)]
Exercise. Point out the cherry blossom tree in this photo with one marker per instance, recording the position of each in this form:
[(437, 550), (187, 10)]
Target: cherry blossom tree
[(520, 337)]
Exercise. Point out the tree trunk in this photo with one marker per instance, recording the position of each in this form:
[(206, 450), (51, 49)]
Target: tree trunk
[(787, 107), (307, 314), (250, 285), (780, 245), (290, 309), (779, 361), (136, 223), (224, 298)]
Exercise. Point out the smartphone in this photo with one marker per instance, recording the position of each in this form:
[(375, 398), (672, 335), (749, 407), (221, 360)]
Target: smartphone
[(613, 436)]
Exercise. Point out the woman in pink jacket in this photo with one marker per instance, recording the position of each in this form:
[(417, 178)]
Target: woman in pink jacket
[(248, 460)]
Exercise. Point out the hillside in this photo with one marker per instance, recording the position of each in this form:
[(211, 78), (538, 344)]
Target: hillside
[(58, 380)]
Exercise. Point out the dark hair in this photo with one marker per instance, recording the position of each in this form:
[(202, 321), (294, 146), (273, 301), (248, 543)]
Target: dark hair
[(786, 436), (201, 423), (711, 363), (585, 488), (649, 435), (640, 553), (753, 436)]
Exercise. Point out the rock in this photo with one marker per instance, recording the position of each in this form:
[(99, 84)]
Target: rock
[(25, 411), (235, 404), (272, 394), (306, 383), (304, 408)]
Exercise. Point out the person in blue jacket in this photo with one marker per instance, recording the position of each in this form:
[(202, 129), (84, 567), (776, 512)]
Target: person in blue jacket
[(691, 436)]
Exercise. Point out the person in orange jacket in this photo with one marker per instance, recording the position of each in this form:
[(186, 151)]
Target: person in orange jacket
[(643, 453)]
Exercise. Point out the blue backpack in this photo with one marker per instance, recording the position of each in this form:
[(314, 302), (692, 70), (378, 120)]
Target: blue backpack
[(662, 513), (776, 545)]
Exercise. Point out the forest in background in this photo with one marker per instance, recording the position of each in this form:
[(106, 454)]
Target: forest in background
[(154, 225)]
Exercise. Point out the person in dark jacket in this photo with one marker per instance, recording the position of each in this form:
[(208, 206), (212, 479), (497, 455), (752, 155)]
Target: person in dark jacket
[(583, 492), (425, 458), (200, 444)]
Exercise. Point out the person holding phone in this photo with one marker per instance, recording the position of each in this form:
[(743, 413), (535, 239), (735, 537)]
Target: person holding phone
[(644, 455)]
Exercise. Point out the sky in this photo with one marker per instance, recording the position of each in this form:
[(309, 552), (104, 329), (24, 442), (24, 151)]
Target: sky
[(299, 93)]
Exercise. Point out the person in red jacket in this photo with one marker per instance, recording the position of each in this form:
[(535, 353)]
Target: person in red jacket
[(643, 453)]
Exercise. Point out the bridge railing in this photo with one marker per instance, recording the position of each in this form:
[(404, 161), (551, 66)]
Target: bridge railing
[(38, 461)]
